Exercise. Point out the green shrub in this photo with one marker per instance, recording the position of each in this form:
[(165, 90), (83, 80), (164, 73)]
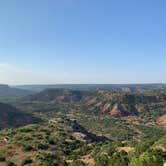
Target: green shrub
[(143, 146), (2, 159), (77, 163), (102, 161), (51, 141), (10, 163), (146, 160), (119, 159), (42, 146), (26, 161), (27, 148), (25, 129)]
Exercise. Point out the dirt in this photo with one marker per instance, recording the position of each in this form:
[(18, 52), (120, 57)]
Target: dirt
[(162, 120), (126, 149), (88, 160)]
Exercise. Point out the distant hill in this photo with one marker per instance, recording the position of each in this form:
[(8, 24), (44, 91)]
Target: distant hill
[(119, 104), (122, 87), (11, 117), (116, 104), (59, 95), (9, 92)]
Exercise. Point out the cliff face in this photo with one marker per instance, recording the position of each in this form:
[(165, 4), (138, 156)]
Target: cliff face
[(119, 110), (112, 103)]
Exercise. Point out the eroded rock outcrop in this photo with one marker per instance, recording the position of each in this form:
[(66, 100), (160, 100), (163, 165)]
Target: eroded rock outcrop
[(162, 120)]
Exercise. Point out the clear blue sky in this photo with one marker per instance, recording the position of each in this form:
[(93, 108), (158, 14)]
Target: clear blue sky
[(82, 41)]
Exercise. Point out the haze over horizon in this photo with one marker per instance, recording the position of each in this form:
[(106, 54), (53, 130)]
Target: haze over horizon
[(74, 41)]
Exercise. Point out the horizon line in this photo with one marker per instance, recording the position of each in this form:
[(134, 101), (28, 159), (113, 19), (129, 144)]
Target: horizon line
[(146, 83)]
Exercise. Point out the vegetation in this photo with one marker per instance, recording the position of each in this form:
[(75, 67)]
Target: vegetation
[(91, 128)]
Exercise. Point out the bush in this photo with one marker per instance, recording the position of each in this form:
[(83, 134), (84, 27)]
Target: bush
[(119, 159), (27, 148), (143, 146), (2, 159), (77, 163), (10, 163), (26, 161), (146, 160), (51, 141), (42, 146), (102, 160)]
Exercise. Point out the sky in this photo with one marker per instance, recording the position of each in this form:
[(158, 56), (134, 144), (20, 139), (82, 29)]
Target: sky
[(82, 41)]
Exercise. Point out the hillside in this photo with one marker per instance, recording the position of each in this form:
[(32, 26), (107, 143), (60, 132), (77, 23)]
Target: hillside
[(124, 87), (59, 95), (11, 117), (119, 104), (7, 92), (64, 142), (51, 143), (113, 103), (117, 115), (85, 128)]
